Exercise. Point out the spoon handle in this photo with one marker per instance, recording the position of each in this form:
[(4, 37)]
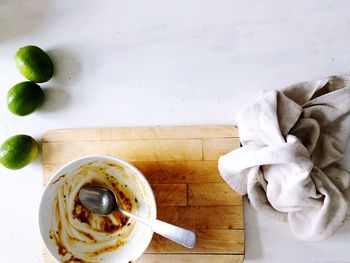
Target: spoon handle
[(177, 234)]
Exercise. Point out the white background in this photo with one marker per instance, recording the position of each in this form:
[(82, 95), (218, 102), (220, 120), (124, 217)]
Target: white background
[(163, 62)]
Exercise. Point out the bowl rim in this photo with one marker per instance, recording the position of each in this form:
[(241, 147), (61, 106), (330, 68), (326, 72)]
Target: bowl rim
[(97, 157)]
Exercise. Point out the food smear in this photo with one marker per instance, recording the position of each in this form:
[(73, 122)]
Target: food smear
[(80, 235)]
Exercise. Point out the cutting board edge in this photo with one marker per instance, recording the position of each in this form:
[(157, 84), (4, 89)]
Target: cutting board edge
[(166, 132)]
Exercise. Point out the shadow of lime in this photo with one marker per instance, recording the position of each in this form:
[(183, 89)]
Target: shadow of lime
[(67, 66), (55, 99)]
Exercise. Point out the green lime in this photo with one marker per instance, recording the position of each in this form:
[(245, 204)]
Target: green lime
[(34, 64), (18, 151), (24, 98)]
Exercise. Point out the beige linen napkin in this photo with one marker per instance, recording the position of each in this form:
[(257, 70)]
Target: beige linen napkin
[(289, 164)]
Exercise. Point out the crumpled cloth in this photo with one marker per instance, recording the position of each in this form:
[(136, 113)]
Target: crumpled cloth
[(289, 165)]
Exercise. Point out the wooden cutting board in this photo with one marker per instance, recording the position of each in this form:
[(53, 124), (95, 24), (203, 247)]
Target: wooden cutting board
[(181, 165)]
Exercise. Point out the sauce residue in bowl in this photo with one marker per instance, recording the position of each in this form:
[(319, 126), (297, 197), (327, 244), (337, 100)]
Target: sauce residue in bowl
[(80, 235)]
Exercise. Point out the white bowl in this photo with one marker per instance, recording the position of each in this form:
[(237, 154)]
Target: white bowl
[(140, 236)]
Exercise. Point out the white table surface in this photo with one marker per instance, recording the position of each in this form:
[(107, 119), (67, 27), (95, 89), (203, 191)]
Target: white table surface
[(163, 62)]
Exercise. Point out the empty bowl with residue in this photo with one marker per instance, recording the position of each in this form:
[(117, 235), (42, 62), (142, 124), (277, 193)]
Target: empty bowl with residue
[(71, 233)]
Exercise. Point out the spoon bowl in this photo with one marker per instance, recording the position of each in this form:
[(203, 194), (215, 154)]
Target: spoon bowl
[(98, 199)]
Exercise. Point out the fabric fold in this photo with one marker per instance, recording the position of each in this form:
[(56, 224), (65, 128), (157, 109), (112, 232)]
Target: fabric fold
[(293, 141)]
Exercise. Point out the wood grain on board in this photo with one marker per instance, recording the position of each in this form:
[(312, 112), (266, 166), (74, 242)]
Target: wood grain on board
[(181, 165)]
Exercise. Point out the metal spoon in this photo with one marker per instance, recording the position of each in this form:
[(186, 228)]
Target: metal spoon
[(102, 201)]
